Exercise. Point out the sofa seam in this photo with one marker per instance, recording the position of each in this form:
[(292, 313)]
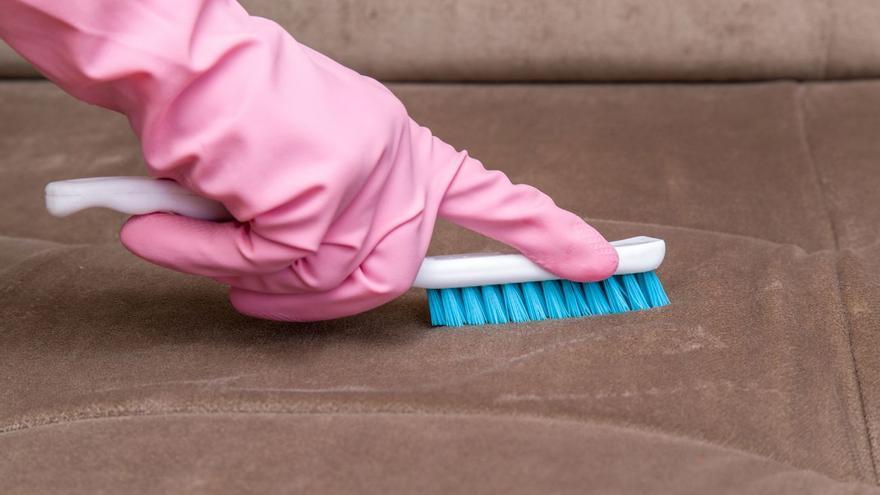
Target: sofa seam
[(801, 95)]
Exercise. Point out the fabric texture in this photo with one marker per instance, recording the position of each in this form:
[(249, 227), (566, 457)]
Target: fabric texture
[(389, 453), (760, 377), (576, 40)]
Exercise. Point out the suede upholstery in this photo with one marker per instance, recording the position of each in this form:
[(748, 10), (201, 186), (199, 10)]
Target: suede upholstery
[(120, 377), (762, 376), (575, 40)]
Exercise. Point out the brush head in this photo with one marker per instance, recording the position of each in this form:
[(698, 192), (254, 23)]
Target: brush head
[(550, 299)]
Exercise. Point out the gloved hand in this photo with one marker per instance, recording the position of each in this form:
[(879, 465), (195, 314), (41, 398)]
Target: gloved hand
[(334, 188)]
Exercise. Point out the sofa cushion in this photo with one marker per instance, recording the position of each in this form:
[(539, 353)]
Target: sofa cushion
[(763, 360)]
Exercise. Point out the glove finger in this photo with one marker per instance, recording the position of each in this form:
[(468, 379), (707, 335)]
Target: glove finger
[(386, 273), (319, 272), (204, 248), (523, 217)]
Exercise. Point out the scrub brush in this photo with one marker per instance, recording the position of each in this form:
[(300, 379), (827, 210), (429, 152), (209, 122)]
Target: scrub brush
[(470, 289)]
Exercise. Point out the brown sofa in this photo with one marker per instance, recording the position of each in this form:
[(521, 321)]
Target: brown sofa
[(747, 136)]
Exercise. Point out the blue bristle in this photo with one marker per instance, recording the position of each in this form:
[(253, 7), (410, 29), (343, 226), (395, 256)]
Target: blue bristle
[(653, 289), (596, 299), (615, 295), (554, 302), (513, 303), (435, 307), (634, 293), (473, 306), (534, 299), (575, 302), (452, 307), (494, 305), (531, 301)]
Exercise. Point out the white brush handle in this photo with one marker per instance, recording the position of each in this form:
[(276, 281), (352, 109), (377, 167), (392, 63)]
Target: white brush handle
[(141, 195), (637, 255), (132, 195)]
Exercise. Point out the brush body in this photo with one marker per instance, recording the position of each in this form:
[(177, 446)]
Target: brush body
[(471, 289), (480, 289), (485, 289)]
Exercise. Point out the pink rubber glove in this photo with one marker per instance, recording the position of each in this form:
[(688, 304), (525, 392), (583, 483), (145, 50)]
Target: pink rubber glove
[(335, 189)]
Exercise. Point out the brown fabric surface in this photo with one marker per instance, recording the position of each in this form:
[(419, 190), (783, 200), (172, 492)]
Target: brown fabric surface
[(596, 40), (383, 453), (845, 143), (747, 382), (577, 40)]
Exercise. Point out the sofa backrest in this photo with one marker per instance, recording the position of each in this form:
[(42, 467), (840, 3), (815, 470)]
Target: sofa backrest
[(582, 40)]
